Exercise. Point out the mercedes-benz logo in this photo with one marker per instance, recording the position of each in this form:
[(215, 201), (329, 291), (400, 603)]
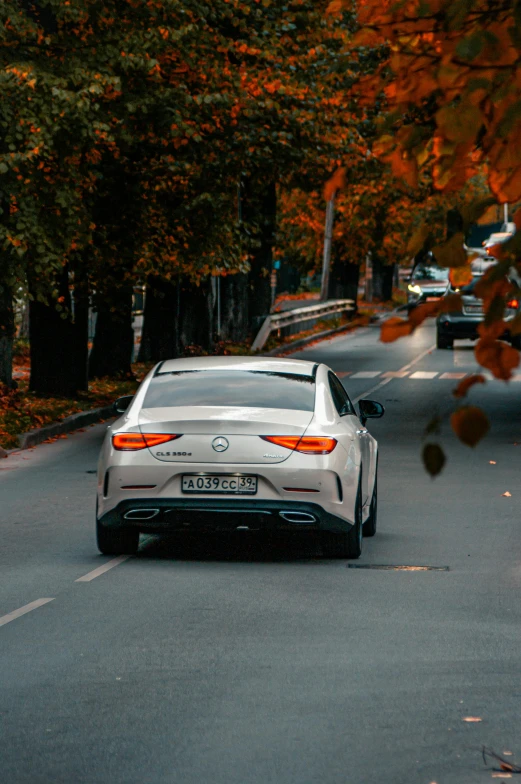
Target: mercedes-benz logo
[(220, 444)]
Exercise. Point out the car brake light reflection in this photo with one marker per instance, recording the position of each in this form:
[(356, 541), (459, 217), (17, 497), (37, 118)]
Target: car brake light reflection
[(309, 445), (131, 442)]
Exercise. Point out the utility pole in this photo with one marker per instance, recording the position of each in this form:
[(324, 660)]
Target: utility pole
[(328, 238)]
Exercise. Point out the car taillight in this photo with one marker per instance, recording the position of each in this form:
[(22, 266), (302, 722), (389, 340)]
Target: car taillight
[(309, 445), (513, 303), (130, 442)]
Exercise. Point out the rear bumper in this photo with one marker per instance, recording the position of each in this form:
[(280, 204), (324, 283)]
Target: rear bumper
[(221, 515), (464, 328)]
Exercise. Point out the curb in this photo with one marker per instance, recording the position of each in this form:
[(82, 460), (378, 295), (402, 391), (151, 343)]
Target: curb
[(67, 425)]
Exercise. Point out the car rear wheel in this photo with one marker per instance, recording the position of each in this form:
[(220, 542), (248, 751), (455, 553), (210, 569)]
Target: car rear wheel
[(117, 541), (345, 545), (369, 527), (442, 341)]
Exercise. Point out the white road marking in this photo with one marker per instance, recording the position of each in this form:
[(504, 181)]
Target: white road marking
[(453, 375), (516, 377), (22, 610), (388, 380), (373, 389), (395, 374), (418, 358), (367, 374), (102, 569), (424, 374)]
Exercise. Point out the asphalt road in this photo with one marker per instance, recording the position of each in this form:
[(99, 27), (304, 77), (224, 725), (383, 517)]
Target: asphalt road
[(250, 661)]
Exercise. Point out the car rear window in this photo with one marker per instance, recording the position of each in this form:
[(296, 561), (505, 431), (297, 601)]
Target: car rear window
[(238, 388), (430, 272)]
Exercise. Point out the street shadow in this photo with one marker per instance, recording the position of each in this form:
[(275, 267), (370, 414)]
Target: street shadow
[(247, 547)]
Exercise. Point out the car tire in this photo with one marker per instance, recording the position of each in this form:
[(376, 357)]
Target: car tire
[(117, 541), (369, 527), (442, 341), (345, 545), (515, 342)]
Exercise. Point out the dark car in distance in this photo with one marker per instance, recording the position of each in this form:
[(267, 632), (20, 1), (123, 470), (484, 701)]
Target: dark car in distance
[(463, 325)]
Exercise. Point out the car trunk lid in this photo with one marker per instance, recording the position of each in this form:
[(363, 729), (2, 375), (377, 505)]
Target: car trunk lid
[(219, 435)]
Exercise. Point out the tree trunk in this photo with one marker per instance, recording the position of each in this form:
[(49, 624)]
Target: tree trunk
[(80, 350), (113, 345), (260, 210), (6, 336), (195, 317), (343, 280), (57, 342), (234, 307), (159, 335), (382, 280)]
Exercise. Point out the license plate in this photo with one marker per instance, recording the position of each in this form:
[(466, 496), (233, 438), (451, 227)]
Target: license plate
[(474, 309), (219, 483), (433, 299)]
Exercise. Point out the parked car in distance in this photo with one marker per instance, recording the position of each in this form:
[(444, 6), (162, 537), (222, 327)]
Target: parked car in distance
[(463, 325), (239, 444), (428, 282)]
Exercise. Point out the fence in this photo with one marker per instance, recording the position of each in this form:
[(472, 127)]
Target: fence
[(305, 318)]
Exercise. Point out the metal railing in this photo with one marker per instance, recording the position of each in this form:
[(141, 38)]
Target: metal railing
[(311, 313)]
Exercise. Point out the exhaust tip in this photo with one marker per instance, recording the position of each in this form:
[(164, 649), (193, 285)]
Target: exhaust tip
[(141, 514), (298, 517)]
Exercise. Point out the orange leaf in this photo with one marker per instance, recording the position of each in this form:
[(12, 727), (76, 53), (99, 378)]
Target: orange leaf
[(470, 424), (394, 328), (452, 253), (337, 181), (335, 7), (464, 386), (498, 357), (418, 315), (460, 276), (452, 303)]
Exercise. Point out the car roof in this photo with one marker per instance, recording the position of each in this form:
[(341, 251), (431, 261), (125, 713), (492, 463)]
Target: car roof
[(298, 367)]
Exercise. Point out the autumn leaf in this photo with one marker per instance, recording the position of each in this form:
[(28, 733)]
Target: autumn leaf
[(433, 459), (464, 386), (507, 494), (394, 328), (335, 7), (418, 240), (460, 276), (452, 303), (470, 424), (498, 357), (421, 312), (452, 253), (335, 183)]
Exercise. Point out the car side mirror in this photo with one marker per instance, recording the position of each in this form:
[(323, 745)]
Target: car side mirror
[(122, 404), (370, 409)]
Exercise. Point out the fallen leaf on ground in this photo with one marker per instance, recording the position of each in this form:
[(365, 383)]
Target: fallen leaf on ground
[(472, 718), (507, 494)]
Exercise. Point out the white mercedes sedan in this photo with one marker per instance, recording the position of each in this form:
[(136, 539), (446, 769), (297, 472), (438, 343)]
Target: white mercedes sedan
[(239, 444)]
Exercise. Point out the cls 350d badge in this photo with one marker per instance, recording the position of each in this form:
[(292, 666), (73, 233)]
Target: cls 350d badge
[(174, 454)]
